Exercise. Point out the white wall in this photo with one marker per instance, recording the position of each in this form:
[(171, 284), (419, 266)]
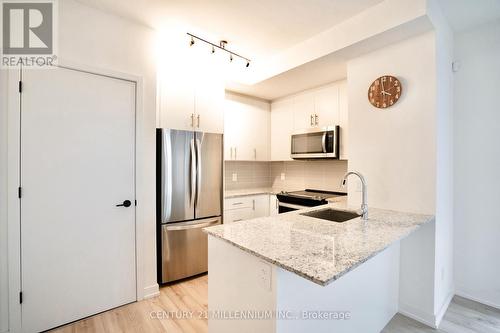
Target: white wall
[(477, 162), (395, 149), (92, 38)]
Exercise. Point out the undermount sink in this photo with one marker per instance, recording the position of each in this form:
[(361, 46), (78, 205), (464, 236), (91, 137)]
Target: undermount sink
[(332, 215)]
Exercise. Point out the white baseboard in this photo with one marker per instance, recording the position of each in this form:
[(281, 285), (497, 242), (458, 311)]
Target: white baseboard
[(476, 299), (418, 315), (151, 291), (439, 316)]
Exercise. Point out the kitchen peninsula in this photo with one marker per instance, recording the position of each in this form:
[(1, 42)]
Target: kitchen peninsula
[(312, 275)]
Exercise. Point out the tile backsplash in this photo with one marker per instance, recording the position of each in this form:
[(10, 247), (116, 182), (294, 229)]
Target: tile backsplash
[(288, 176), (246, 175)]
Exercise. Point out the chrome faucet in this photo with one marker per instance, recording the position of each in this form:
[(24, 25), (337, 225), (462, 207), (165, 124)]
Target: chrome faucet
[(364, 205)]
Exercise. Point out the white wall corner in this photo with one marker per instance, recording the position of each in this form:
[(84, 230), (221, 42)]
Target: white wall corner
[(151, 291), (412, 312), (444, 307)]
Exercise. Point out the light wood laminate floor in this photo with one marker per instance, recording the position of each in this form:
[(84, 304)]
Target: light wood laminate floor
[(463, 316)]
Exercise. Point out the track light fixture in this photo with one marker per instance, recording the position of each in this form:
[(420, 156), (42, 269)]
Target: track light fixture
[(221, 46)]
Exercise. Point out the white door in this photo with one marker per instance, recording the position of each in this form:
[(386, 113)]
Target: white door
[(77, 164)]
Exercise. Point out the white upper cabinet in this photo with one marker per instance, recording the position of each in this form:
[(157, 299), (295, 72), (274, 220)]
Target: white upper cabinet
[(282, 125), (326, 106), (343, 119), (319, 107), (188, 100), (209, 108), (303, 111), (246, 128)]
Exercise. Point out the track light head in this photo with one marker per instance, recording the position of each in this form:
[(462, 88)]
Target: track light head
[(248, 64), (191, 43), (230, 57), (213, 49)]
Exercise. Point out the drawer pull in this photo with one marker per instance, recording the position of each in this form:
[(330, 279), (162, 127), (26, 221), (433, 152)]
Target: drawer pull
[(237, 203), (237, 220)]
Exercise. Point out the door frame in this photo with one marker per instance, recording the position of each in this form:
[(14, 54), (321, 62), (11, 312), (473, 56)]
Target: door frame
[(13, 176)]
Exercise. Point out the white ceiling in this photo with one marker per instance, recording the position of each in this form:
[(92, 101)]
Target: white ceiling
[(254, 28), (465, 14)]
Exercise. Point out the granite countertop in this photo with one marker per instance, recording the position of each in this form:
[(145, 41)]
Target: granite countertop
[(319, 250)]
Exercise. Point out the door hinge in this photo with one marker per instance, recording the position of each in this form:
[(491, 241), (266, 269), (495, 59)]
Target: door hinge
[(20, 297), (20, 86), (19, 192)]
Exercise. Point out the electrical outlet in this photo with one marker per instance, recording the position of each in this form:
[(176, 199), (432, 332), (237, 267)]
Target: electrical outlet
[(235, 177), (282, 176), (264, 275)]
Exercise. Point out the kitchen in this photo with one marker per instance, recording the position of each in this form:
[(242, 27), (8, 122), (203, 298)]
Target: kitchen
[(217, 134)]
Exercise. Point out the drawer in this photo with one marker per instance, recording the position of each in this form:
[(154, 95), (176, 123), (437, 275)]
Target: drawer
[(239, 202), (235, 215)]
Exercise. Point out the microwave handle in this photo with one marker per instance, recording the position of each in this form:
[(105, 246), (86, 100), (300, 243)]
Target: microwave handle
[(323, 142)]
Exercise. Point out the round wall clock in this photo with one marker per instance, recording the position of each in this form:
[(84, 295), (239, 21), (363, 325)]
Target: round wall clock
[(385, 91)]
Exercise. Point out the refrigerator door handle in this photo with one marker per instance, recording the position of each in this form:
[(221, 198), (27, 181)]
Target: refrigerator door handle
[(198, 170), (193, 172)]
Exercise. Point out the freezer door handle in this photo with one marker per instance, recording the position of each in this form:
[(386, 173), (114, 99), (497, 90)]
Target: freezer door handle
[(187, 226)]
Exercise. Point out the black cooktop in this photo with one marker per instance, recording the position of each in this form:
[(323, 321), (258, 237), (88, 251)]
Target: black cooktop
[(313, 194)]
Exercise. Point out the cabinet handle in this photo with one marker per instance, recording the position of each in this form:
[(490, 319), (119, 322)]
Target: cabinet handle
[(198, 117), (237, 203), (192, 119), (237, 220), (316, 119), (235, 153), (311, 120), (255, 153), (253, 204)]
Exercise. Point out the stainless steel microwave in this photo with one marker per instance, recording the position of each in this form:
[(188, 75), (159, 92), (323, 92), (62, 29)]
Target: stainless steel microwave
[(316, 143)]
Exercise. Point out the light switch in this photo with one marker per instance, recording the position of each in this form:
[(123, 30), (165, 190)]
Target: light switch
[(235, 177)]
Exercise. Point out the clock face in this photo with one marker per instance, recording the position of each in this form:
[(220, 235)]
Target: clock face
[(385, 92)]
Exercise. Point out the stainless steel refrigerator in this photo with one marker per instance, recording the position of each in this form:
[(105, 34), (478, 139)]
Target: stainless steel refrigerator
[(189, 198)]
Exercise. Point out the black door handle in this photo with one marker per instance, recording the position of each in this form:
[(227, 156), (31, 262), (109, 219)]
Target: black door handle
[(126, 203)]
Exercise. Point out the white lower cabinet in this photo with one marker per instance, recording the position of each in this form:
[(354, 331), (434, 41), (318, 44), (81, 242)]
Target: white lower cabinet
[(247, 207), (273, 205)]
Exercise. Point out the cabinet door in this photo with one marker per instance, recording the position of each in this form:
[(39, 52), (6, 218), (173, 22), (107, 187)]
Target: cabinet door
[(209, 107), (237, 215), (281, 129), (326, 105), (273, 205), (246, 124), (343, 120), (257, 136), (303, 111), (176, 101), (261, 205)]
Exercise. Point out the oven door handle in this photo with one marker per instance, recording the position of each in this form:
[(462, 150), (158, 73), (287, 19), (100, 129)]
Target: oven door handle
[(292, 206), (323, 142)]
